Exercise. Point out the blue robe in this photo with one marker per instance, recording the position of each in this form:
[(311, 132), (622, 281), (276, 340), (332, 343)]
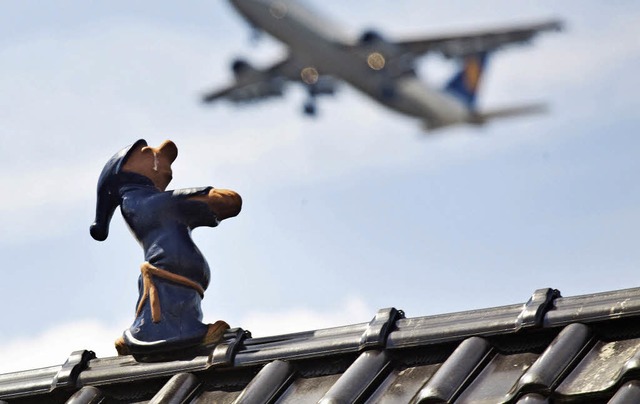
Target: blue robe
[(162, 223)]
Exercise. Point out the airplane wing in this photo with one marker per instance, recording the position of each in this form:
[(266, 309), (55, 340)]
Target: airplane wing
[(460, 45), (253, 84)]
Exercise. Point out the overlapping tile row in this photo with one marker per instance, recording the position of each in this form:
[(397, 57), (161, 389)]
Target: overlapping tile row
[(551, 349), (594, 307)]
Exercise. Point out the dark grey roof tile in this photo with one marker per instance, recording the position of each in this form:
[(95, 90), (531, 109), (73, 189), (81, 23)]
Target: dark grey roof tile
[(559, 357), (628, 393), (594, 307), (356, 329), (451, 327), (633, 364), (314, 346), (86, 395), (400, 386), (177, 390), (28, 382), (127, 369), (495, 383), (602, 368), (272, 379), (305, 390), (533, 398), (458, 368), (360, 380), (217, 397)]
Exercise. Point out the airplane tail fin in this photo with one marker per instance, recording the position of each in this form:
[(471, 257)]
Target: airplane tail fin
[(529, 109), (464, 84)]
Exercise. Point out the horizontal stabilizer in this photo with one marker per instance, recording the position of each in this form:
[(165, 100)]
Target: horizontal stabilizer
[(529, 109)]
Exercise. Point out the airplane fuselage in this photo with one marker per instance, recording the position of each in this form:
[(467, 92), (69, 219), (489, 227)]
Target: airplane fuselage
[(318, 44)]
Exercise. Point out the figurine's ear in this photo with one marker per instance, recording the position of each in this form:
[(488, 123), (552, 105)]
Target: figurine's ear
[(146, 150), (169, 150)]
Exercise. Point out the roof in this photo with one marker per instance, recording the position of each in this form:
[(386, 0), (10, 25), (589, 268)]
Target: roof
[(549, 349)]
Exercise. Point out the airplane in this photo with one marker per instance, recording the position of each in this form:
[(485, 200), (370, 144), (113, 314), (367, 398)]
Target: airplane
[(320, 54)]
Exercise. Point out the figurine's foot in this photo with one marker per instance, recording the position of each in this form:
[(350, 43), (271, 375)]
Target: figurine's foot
[(215, 332), (121, 347)]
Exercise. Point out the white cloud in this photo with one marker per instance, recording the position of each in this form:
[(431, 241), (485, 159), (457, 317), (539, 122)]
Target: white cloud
[(47, 186), (53, 346), (264, 323)]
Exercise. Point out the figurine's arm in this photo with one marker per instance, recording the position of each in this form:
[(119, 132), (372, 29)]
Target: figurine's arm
[(224, 203)]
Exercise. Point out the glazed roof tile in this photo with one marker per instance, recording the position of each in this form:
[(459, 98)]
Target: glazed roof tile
[(549, 349)]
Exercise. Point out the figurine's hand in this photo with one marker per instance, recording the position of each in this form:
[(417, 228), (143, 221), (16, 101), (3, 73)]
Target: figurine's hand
[(225, 203)]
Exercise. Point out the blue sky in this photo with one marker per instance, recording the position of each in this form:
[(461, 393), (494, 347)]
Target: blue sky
[(354, 211)]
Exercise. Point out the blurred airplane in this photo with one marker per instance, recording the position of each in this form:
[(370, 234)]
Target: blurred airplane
[(321, 53)]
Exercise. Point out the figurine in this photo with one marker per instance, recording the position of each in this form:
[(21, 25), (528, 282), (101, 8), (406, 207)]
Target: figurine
[(175, 274)]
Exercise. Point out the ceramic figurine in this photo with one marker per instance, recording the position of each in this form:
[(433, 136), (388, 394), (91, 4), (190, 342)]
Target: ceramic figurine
[(175, 274)]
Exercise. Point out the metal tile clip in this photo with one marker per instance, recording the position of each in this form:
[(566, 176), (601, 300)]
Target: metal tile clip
[(375, 336), (68, 374), (533, 312), (224, 353)]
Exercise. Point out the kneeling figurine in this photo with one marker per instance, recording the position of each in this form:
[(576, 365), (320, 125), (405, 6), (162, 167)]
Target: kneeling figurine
[(175, 274)]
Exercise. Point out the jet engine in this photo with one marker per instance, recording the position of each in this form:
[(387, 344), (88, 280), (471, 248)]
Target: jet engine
[(370, 37), (374, 42), (242, 69), (386, 56)]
